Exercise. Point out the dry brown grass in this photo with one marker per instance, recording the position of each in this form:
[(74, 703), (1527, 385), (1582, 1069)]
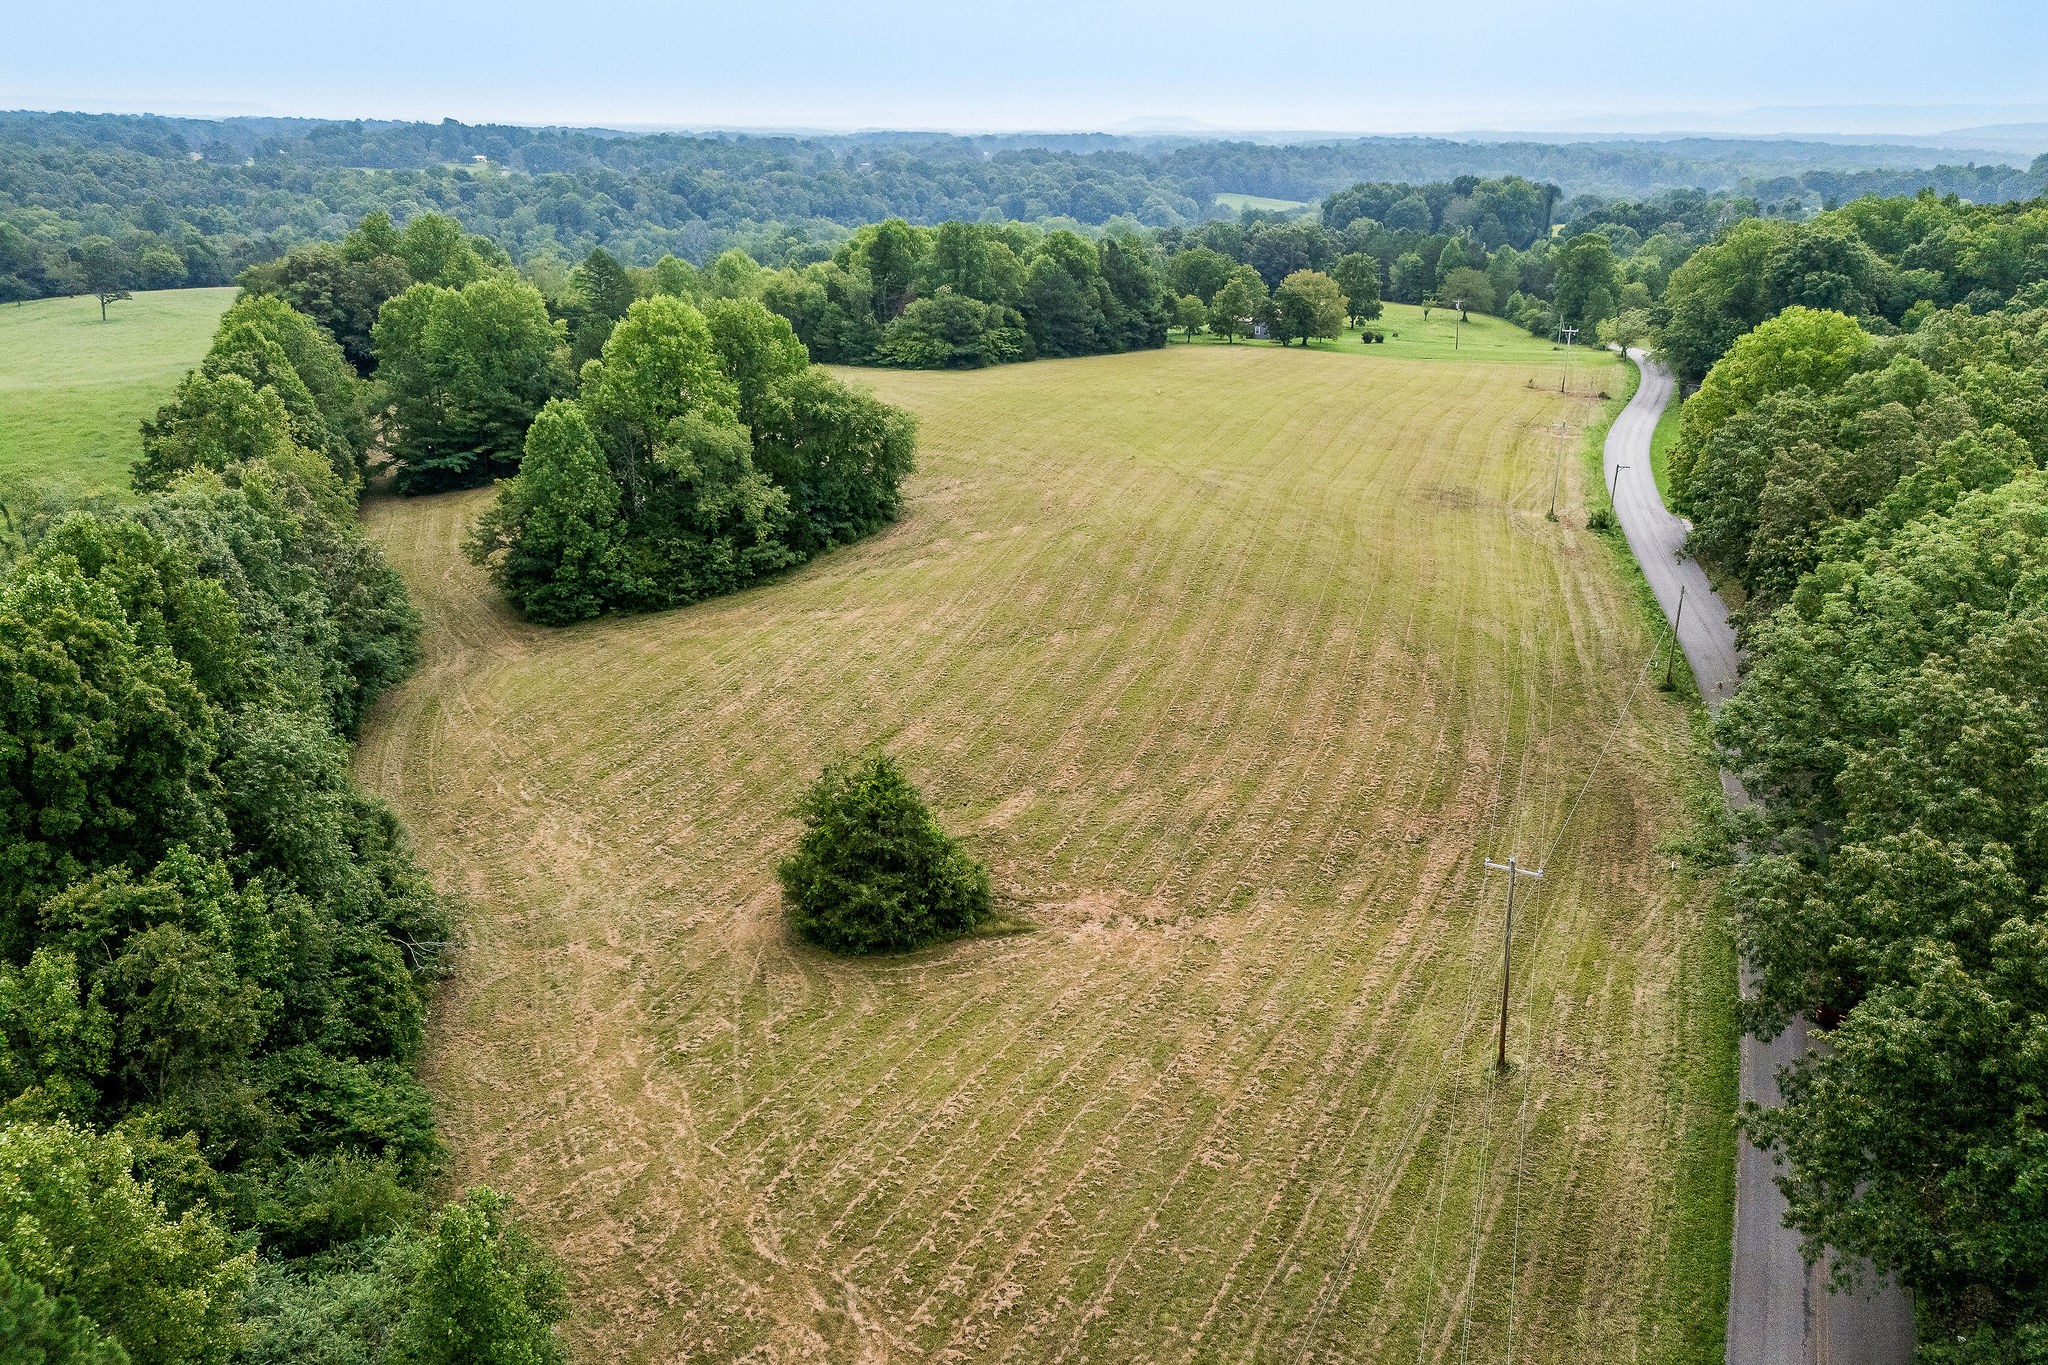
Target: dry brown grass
[(1231, 662)]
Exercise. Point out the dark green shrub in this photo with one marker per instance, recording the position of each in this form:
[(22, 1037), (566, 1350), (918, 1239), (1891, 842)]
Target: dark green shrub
[(874, 872)]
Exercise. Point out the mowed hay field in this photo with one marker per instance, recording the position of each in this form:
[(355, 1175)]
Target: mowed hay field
[(74, 390), (1232, 662)]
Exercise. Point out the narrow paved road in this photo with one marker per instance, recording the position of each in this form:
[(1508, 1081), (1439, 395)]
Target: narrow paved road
[(1779, 1311)]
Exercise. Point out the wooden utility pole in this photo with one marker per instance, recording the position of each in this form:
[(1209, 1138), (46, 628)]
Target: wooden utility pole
[(1556, 470), (1671, 655), (1507, 939), (1570, 334)]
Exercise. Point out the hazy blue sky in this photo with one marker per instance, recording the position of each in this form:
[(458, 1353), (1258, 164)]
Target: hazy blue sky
[(1753, 65)]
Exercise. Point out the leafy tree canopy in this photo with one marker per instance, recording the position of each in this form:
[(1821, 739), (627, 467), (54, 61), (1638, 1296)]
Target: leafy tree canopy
[(1308, 304)]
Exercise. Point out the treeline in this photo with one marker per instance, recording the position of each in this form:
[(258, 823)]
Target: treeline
[(963, 295), (144, 202), (215, 952), (1484, 245), (1864, 458)]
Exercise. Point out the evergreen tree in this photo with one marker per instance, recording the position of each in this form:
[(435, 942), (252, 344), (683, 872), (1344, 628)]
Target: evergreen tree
[(873, 871)]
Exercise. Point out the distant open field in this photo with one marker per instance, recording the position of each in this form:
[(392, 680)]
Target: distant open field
[(1237, 203), (74, 390), (1481, 339), (1233, 663)]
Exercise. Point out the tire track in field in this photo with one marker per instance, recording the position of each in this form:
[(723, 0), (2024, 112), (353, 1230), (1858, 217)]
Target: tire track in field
[(1202, 654)]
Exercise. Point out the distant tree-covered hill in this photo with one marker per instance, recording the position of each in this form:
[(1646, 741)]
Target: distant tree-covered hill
[(139, 201)]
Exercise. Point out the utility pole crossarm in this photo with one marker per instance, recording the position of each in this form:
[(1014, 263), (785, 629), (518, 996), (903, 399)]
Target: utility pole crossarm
[(1507, 939)]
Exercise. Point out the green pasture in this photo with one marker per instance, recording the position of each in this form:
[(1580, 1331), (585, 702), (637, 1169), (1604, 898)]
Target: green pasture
[(74, 390)]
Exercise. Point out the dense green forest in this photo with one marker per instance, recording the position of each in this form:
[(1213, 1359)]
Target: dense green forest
[(215, 952), (143, 202), (1864, 459), (1888, 262)]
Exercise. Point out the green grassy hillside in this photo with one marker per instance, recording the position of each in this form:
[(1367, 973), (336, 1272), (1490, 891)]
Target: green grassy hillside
[(73, 389)]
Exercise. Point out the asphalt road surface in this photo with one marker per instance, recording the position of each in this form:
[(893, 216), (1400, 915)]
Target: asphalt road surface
[(1780, 1312)]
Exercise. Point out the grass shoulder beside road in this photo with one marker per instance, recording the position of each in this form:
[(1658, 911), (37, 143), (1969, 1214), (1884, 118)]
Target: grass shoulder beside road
[(74, 390), (1660, 447), (1702, 1207)]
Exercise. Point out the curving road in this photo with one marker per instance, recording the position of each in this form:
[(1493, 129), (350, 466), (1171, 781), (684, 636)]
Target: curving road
[(1779, 1310)]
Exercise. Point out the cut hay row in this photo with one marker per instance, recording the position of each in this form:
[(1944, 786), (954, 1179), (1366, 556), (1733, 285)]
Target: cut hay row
[(1231, 662)]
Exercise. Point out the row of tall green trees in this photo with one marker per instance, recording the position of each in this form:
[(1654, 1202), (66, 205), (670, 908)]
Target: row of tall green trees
[(964, 295), (1870, 473), (216, 953)]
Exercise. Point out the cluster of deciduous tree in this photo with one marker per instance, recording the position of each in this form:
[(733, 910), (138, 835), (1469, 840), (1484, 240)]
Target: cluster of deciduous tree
[(702, 452), (215, 952), (463, 351), (690, 454), (963, 295), (141, 202), (344, 286), (1886, 262), (1881, 498)]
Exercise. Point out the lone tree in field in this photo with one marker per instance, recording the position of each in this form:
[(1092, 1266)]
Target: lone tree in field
[(1237, 303), (1358, 275), (1308, 304), (103, 266), (874, 872)]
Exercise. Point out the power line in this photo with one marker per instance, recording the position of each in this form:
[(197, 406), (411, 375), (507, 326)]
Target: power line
[(1529, 1071)]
